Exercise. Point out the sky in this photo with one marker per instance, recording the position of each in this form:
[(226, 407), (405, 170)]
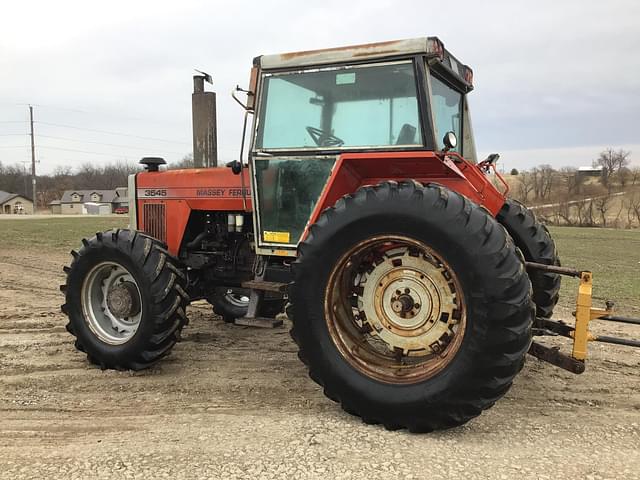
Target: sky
[(555, 81)]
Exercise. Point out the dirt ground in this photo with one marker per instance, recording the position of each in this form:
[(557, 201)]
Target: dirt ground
[(234, 402)]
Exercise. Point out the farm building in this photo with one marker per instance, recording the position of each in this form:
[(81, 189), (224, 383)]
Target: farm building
[(15, 204), (78, 202), (590, 171), (56, 207)]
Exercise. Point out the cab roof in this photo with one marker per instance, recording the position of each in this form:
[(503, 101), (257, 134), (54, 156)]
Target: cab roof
[(430, 46), (427, 45)]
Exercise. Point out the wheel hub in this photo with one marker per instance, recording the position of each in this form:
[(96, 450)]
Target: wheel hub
[(406, 298), (122, 300), (409, 303)]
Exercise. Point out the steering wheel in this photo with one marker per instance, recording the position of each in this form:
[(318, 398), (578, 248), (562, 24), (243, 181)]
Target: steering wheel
[(324, 139)]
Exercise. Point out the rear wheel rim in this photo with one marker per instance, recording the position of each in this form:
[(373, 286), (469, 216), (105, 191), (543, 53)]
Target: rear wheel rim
[(111, 303), (395, 309)]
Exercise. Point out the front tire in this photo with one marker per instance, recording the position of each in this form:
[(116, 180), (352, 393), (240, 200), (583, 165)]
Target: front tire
[(457, 341), (125, 299)]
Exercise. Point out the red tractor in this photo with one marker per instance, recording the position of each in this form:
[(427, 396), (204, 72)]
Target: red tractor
[(362, 208)]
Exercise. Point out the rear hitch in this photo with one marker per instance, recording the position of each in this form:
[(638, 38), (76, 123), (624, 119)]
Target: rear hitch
[(579, 332)]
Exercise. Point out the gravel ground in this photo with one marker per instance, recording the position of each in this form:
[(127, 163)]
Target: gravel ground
[(233, 402)]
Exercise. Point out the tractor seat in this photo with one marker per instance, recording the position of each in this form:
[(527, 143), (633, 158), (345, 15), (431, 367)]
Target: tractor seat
[(407, 135)]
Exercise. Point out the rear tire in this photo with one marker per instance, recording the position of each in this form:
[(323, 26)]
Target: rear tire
[(111, 335), (536, 244), (488, 276)]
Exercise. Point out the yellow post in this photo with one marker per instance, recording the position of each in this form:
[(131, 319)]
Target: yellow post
[(583, 316)]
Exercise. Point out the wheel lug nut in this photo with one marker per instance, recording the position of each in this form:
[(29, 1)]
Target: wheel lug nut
[(407, 291), (417, 305)]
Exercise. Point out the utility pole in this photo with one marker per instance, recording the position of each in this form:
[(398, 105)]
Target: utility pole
[(24, 174), (33, 161)]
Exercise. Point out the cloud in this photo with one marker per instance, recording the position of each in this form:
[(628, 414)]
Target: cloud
[(549, 75)]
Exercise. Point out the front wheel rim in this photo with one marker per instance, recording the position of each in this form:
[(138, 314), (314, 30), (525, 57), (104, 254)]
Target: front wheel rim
[(395, 309), (111, 303)]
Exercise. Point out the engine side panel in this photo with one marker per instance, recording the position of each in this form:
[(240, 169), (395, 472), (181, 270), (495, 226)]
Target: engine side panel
[(165, 199)]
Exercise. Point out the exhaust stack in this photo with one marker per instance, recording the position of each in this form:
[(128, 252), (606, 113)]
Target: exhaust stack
[(203, 107)]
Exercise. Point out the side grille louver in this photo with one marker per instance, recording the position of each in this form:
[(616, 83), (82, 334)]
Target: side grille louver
[(155, 222)]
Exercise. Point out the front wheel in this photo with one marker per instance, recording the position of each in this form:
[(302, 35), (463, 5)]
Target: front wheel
[(125, 299), (411, 306)]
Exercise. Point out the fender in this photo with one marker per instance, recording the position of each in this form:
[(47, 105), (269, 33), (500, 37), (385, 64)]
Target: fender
[(355, 170)]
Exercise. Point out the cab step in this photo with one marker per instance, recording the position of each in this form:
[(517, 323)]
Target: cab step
[(265, 286)]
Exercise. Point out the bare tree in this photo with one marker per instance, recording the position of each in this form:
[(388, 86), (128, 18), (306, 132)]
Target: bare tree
[(526, 185), (623, 176), (633, 210), (602, 205), (15, 179), (562, 214), (186, 162), (571, 180), (542, 181), (611, 162), (634, 174)]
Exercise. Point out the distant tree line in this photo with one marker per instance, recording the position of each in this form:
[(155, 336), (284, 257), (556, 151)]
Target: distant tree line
[(567, 196), (16, 179)]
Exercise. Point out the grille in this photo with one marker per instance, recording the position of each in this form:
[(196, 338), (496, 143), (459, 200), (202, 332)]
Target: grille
[(155, 221)]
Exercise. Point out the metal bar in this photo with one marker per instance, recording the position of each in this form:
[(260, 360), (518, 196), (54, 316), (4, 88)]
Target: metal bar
[(261, 285), (571, 272), (557, 358), (554, 326), (617, 341), (614, 318)]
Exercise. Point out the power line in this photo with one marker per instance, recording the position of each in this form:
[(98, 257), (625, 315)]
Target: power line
[(101, 143), (79, 151), (93, 112), (112, 133)]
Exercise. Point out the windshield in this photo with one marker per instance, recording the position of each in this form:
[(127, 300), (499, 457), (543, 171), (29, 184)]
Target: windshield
[(447, 111), (359, 106)]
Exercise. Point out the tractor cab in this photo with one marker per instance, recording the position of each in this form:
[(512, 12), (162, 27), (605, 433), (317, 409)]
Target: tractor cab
[(313, 107)]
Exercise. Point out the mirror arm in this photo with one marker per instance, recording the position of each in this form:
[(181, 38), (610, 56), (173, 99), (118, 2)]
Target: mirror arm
[(233, 95)]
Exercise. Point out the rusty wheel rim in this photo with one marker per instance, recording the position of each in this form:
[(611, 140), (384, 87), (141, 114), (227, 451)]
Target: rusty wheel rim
[(395, 309)]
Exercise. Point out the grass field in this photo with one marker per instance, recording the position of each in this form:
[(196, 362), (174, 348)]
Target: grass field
[(55, 234), (614, 258), (612, 255)]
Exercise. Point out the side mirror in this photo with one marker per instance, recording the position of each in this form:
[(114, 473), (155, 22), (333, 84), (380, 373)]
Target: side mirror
[(235, 166), (450, 141)]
